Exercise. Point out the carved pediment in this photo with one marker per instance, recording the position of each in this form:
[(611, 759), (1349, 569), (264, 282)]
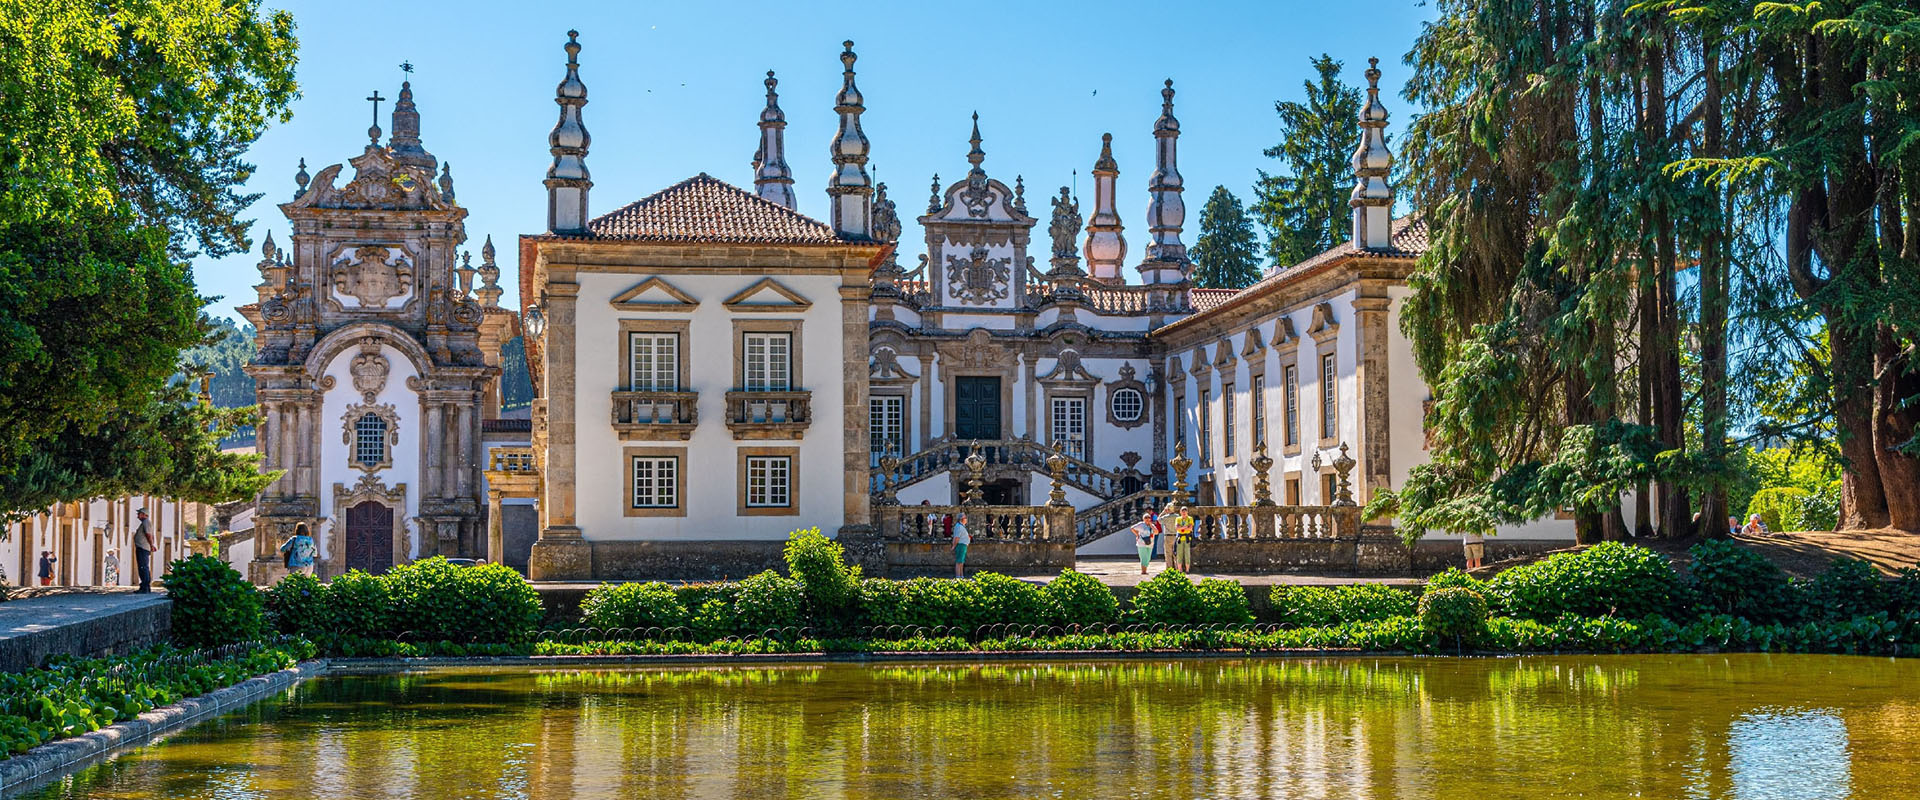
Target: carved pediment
[(655, 294), (1254, 345), (1323, 322), (1068, 369), (379, 183), (371, 276), (884, 366), (767, 295)]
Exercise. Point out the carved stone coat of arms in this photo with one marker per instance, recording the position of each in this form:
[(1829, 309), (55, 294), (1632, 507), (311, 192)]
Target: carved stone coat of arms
[(978, 279), (373, 275)]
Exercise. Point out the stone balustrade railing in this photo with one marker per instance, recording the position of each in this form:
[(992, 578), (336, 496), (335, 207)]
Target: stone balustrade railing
[(513, 459), (1117, 514), (769, 414), (925, 523), (655, 415), (951, 455)]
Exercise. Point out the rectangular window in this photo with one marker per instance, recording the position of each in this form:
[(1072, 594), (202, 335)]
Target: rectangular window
[(1293, 491), (1290, 401), (1258, 396), (1070, 425), (1180, 418), (886, 426), (1226, 420), (656, 481), (769, 362), (1326, 489), (769, 481), (1329, 399), (1206, 403), (654, 362)]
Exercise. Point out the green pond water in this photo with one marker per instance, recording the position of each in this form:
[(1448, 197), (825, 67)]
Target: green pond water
[(1749, 727)]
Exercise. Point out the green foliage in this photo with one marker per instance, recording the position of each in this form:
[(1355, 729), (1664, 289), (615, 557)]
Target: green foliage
[(516, 383), (1727, 578), (1005, 599), (298, 604), (212, 604), (633, 605), (1318, 606), (1458, 613), (1849, 588), (487, 603), (1224, 602), (359, 604), (1452, 578), (1078, 599), (1780, 507), (1306, 208), (1227, 254), (768, 600), (943, 601), (121, 131), (831, 587), (73, 696), (1608, 579), (1169, 598)]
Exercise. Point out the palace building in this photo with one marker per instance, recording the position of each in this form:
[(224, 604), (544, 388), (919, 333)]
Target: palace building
[(713, 369)]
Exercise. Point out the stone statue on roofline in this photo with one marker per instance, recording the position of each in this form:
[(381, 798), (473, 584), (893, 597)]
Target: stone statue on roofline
[(1065, 227)]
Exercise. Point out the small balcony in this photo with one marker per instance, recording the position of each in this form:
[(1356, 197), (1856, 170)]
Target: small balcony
[(769, 415), (512, 460), (655, 416)]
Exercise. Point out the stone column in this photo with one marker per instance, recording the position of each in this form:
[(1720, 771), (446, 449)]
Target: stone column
[(496, 530), (432, 446), (856, 497), (1376, 445), (560, 553)]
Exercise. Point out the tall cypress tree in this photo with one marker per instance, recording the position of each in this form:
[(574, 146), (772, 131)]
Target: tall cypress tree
[(1304, 209), (1226, 256)]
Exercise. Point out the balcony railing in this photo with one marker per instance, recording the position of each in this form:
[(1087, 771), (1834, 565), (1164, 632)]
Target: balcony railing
[(655, 415), (517, 460), (769, 415)]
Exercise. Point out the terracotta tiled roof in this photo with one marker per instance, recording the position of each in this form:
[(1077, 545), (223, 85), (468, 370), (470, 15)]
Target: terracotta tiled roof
[(1206, 299), (706, 209)]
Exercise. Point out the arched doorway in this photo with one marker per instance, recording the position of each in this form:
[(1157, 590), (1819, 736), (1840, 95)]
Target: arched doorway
[(369, 536)]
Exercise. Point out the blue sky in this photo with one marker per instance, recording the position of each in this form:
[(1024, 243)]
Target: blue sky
[(675, 90)]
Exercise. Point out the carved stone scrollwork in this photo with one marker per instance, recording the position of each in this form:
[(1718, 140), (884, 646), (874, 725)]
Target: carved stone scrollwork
[(885, 366), (978, 279), (373, 275), (1136, 402), (976, 196), (370, 370), (349, 424)]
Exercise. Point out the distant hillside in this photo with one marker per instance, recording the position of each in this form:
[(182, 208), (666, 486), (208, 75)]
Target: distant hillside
[(230, 350)]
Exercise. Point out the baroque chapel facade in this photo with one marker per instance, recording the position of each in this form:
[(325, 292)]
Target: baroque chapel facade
[(378, 361)]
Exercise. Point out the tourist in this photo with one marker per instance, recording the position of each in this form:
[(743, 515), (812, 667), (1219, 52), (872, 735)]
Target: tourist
[(299, 551), (1755, 526), (1166, 543), (960, 541), (1475, 546), (46, 567), (1183, 543), (143, 551), (111, 568), (1733, 526), (1144, 533)]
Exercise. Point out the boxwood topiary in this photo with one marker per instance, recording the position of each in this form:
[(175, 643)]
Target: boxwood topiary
[(1456, 612), (947, 602), (1223, 602), (1168, 598), (212, 604), (1607, 579), (1010, 600), (633, 605), (1078, 599)]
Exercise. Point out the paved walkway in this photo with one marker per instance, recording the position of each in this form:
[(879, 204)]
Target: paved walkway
[(78, 622)]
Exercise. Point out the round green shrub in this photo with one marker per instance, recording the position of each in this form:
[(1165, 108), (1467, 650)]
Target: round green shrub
[(1322, 606), (1727, 578), (212, 604), (433, 599), (831, 587), (1223, 602), (1455, 612), (298, 605), (1454, 578), (1078, 599), (359, 605), (1607, 579), (1849, 588), (1010, 600), (1168, 598), (633, 605), (768, 600), (1781, 508)]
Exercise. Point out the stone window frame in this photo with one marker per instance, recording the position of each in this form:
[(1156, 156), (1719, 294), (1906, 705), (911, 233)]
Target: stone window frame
[(679, 508), (624, 348), (796, 381), (350, 423), (1257, 417), (1071, 392), (903, 446), (1202, 427), (1325, 329), (1292, 488), (1290, 404), (741, 457), (1229, 424), (1127, 380)]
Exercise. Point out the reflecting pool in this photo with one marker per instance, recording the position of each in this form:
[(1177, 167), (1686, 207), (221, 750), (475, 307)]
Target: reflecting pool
[(1746, 727)]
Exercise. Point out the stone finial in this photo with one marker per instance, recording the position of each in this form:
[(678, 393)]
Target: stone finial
[(373, 131), (1343, 491), (1166, 257), (1057, 473), (1106, 245), (568, 180), (934, 203), (850, 189), (466, 272), (1020, 193), (1372, 199), (772, 180), (301, 179), (1180, 464), (446, 181), (976, 155), (405, 141), (1262, 487), (889, 471), (976, 477), (489, 291)]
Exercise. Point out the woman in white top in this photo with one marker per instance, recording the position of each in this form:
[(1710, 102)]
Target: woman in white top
[(960, 541), (1144, 532)]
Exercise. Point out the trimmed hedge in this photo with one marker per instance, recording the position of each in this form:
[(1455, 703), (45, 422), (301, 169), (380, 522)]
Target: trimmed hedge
[(1607, 579), (1319, 606), (633, 605), (212, 604)]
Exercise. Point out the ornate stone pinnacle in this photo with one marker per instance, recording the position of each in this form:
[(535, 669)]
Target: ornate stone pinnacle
[(1020, 193), (933, 199), (976, 155), (300, 179)]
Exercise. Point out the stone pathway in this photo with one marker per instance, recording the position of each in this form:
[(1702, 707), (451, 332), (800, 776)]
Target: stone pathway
[(81, 622)]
